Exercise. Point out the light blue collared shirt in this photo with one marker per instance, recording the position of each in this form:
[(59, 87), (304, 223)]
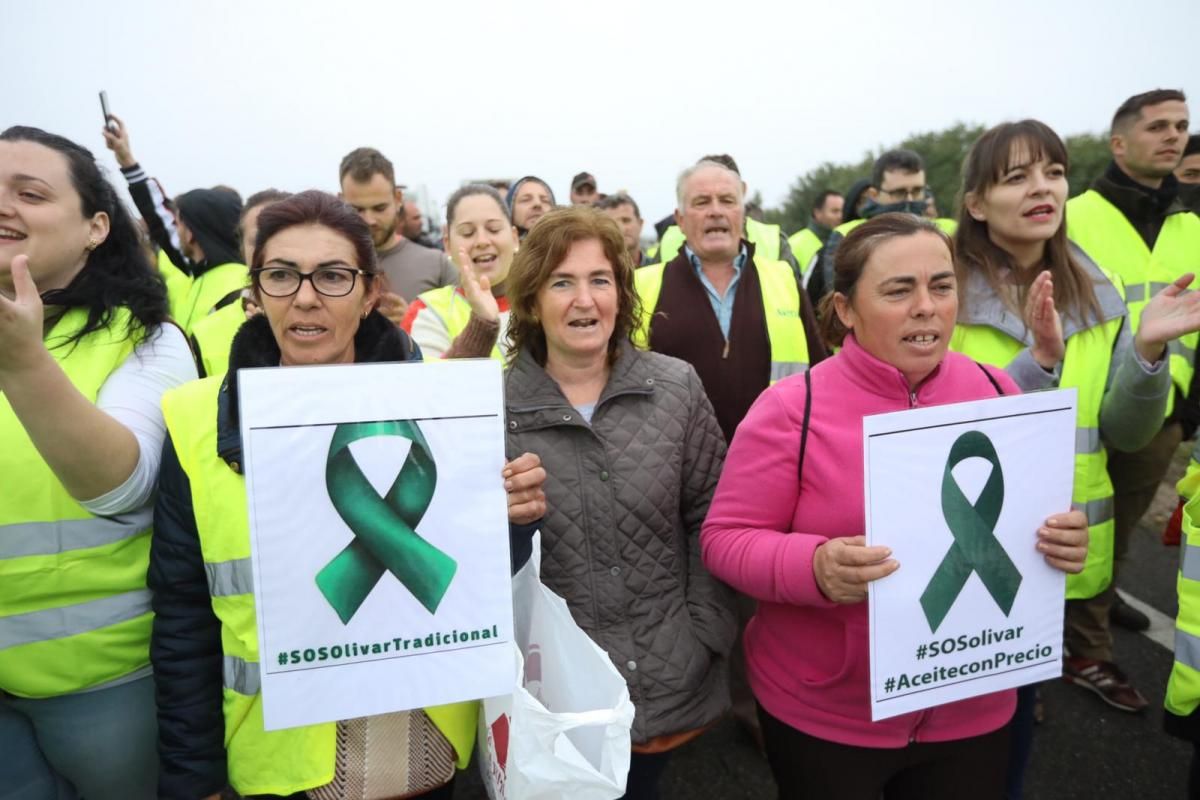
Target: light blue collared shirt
[(721, 306)]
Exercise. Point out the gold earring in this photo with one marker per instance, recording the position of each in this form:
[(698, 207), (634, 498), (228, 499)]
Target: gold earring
[(92, 245)]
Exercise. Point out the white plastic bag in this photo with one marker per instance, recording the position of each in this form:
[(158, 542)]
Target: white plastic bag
[(563, 734)]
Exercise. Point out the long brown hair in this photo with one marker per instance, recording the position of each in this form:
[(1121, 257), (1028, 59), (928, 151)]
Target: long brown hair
[(851, 259), (542, 251), (989, 159)]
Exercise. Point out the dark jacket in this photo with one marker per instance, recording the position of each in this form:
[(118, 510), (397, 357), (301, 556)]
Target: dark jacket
[(736, 370), (185, 646), (626, 495)]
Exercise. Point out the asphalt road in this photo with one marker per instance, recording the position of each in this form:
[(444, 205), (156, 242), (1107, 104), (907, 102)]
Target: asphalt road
[(1083, 750)]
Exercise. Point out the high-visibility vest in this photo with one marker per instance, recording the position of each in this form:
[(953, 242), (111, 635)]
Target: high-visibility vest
[(805, 245), (1103, 231), (1085, 366), (781, 307), (454, 311), (764, 236), (279, 762), (1183, 687), (74, 607), (206, 290), (213, 336), (179, 283)]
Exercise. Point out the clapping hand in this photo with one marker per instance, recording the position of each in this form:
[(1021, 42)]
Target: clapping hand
[(1170, 314), (1045, 324), (21, 317), (478, 290)]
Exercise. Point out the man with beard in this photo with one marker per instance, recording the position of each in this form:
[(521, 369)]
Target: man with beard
[(368, 184), (1132, 223), (1188, 174), (897, 184), (528, 201), (735, 315)]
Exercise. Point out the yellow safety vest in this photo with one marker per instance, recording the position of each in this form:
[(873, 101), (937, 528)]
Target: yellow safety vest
[(765, 238), (179, 283), (1183, 687), (213, 337), (1103, 231), (454, 311), (259, 761), (206, 291), (805, 245), (781, 307), (1085, 367), (74, 607)]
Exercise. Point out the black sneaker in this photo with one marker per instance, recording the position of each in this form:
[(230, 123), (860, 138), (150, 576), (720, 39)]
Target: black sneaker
[(1128, 617)]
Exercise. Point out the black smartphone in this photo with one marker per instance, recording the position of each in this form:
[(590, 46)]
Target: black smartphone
[(108, 123)]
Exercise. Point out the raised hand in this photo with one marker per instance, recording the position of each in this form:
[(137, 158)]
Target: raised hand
[(478, 290), (116, 138), (21, 319), (1045, 324), (1170, 314)]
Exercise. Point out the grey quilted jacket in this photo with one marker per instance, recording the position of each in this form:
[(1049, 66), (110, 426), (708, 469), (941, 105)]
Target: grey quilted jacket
[(626, 496)]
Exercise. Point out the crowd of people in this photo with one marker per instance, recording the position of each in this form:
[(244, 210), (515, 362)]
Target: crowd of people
[(684, 427)]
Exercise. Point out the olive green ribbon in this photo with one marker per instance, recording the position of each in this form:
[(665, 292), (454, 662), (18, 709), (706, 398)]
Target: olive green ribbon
[(976, 548), (384, 528)]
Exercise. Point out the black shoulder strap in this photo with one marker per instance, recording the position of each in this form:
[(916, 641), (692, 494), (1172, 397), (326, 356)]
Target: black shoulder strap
[(991, 380), (804, 427)]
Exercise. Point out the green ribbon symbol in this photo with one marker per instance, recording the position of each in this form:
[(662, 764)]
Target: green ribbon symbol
[(384, 528), (975, 547)]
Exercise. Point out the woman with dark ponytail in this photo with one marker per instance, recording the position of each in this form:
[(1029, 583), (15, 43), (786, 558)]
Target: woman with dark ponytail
[(86, 353)]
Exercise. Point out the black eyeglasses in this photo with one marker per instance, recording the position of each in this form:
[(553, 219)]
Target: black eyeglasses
[(286, 281)]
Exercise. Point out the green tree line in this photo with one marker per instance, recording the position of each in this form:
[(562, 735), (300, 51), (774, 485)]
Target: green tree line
[(943, 152)]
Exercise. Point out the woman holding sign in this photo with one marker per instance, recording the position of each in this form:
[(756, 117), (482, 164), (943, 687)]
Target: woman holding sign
[(468, 320), (86, 352), (1034, 303), (789, 532), (314, 275), (635, 451)]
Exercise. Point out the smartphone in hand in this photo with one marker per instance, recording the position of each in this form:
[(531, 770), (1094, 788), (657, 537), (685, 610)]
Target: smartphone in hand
[(108, 121)]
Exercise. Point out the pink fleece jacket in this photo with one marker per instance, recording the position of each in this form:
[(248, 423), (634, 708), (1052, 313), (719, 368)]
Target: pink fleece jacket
[(807, 657)]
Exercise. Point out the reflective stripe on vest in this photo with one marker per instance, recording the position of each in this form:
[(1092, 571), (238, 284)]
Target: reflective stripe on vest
[(75, 612), (64, 536), (259, 761), (455, 312), (781, 304), (765, 238), (206, 291), (1183, 687), (1085, 367), (1107, 236)]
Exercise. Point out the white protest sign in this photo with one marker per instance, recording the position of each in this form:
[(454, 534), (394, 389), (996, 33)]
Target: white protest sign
[(379, 537), (958, 493)]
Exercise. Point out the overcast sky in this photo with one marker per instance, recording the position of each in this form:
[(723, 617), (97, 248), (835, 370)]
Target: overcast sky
[(257, 94)]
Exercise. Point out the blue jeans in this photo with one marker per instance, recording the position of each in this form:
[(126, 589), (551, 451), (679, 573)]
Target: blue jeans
[(100, 745)]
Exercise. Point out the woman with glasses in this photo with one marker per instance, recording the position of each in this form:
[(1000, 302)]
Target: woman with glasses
[(315, 276), (86, 353)]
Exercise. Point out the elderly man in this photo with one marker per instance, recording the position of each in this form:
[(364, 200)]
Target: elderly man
[(736, 316), (771, 241)]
